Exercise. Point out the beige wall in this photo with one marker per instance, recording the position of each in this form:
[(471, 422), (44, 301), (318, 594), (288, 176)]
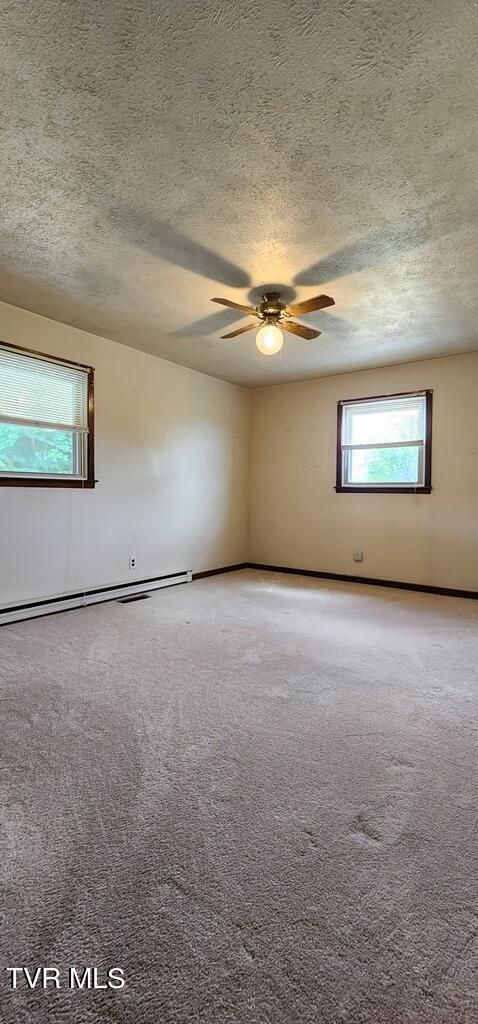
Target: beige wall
[(298, 520), (172, 460), (172, 453)]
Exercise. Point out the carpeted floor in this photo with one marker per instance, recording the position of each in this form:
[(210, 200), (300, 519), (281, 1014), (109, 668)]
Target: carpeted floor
[(257, 794)]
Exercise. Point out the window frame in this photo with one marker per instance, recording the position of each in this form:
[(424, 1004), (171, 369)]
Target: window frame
[(424, 488), (61, 480)]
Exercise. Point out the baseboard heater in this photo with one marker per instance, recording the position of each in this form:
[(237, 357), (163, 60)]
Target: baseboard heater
[(31, 609)]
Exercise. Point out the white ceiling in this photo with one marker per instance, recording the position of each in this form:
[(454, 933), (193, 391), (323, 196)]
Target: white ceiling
[(155, 155)]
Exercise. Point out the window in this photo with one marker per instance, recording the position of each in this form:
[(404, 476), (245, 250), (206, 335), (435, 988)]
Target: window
[(46, 420), (384, 444)]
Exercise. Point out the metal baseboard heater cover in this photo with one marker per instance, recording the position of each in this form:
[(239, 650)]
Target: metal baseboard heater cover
[(32, 609)]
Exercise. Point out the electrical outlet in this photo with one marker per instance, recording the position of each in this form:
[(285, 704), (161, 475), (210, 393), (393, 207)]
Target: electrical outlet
[(132, 562), (358, 556)]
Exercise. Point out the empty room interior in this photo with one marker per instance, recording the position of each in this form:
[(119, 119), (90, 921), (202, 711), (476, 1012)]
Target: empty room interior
[(238, 512)]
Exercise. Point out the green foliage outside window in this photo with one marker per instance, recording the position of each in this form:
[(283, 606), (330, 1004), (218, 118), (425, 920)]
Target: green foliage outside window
[(35, 450), (393, 464)]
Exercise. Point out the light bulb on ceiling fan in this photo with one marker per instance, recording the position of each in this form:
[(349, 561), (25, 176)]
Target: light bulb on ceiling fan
[(269, 340)]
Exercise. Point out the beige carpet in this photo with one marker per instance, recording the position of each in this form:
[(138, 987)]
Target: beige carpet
[(256, 794)]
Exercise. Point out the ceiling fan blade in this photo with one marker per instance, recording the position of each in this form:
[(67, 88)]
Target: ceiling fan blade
[(237, 305), (308, 305), (240, 330), (300, 329)]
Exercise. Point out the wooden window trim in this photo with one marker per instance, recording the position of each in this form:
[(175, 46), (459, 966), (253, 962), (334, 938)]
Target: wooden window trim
[(61, 481), (426, 488)]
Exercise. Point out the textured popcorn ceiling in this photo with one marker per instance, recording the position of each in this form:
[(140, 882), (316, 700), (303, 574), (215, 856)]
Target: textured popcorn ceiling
[(154, 155)]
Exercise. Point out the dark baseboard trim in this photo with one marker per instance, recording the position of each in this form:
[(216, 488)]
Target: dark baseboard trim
[(217, 572), (421, 588)]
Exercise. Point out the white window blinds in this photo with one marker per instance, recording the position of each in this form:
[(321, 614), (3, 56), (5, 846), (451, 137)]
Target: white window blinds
[(382, 422), (40, 392)]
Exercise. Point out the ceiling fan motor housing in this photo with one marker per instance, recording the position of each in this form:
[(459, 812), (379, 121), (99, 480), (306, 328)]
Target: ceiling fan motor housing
[(271, 308)]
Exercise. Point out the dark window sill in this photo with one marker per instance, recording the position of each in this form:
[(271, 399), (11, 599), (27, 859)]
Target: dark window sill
[(15, 481), (383, 490)]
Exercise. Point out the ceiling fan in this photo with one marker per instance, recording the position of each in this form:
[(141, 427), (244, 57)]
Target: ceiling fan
[(276, 317)]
